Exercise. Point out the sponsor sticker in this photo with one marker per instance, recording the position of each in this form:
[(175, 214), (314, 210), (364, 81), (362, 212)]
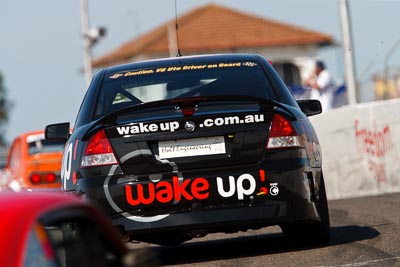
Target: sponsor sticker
[(181, 68), (191, 147), (198, 188), (172, 126)]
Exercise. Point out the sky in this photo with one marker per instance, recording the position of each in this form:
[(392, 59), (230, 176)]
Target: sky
[(41, 46)]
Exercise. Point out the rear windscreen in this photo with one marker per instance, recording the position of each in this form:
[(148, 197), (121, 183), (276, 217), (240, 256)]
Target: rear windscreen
[(133, 87), (45, 146)]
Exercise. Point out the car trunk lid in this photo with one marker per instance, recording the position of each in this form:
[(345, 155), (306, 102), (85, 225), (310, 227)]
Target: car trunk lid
[(191, 134)]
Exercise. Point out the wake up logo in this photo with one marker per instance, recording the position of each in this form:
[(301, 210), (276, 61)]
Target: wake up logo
[(172, 126), (196, 189)]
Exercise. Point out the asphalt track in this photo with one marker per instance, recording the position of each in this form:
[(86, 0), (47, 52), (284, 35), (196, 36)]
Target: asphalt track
[(365, 232)]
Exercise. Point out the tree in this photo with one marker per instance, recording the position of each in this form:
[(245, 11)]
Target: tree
[(4, 109)]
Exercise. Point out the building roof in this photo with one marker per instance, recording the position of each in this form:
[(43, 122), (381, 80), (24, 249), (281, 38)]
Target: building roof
[(211, 28)]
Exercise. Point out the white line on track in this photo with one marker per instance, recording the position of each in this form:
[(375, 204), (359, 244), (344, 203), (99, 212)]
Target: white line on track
[(364, 263)]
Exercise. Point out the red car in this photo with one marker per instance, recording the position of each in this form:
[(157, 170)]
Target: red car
[(51, 229)]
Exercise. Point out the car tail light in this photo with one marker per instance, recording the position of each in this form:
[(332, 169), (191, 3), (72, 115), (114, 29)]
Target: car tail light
[(43, 178), (98, 151), (282, 134), (50, 178), (35, 178), (188, 111)]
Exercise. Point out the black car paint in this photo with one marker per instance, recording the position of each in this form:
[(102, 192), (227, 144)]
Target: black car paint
[(86, 112), (296, 172)]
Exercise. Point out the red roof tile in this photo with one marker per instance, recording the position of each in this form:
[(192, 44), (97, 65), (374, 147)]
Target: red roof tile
[(213, 28)]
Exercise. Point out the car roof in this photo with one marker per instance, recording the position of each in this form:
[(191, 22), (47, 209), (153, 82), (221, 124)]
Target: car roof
[(33, 203), (193, 59), (25, 135), (18, 211)]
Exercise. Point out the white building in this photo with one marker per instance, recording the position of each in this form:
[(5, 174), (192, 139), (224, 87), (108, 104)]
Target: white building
[(217, 29)]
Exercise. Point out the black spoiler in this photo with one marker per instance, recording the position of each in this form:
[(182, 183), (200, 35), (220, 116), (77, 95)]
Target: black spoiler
[(110, 118)]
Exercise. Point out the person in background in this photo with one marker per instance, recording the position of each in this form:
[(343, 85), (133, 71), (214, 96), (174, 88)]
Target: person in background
[(321, 85)]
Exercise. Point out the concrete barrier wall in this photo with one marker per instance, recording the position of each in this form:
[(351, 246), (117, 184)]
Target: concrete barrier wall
[(360, 149)]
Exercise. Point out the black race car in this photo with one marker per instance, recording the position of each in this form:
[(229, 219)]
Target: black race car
[(176, 148)]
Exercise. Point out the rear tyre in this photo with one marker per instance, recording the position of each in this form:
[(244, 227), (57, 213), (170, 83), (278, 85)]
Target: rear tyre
[(313, 233)]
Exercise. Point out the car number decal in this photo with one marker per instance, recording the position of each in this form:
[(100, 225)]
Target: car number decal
[(66, 165)]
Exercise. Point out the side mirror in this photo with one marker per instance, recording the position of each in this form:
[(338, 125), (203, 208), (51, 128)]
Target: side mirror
[(59, 131), (310, 107)]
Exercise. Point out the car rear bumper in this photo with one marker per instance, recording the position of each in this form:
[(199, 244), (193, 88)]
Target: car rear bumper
[(291, 186), (218, 220), (210, 220)]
